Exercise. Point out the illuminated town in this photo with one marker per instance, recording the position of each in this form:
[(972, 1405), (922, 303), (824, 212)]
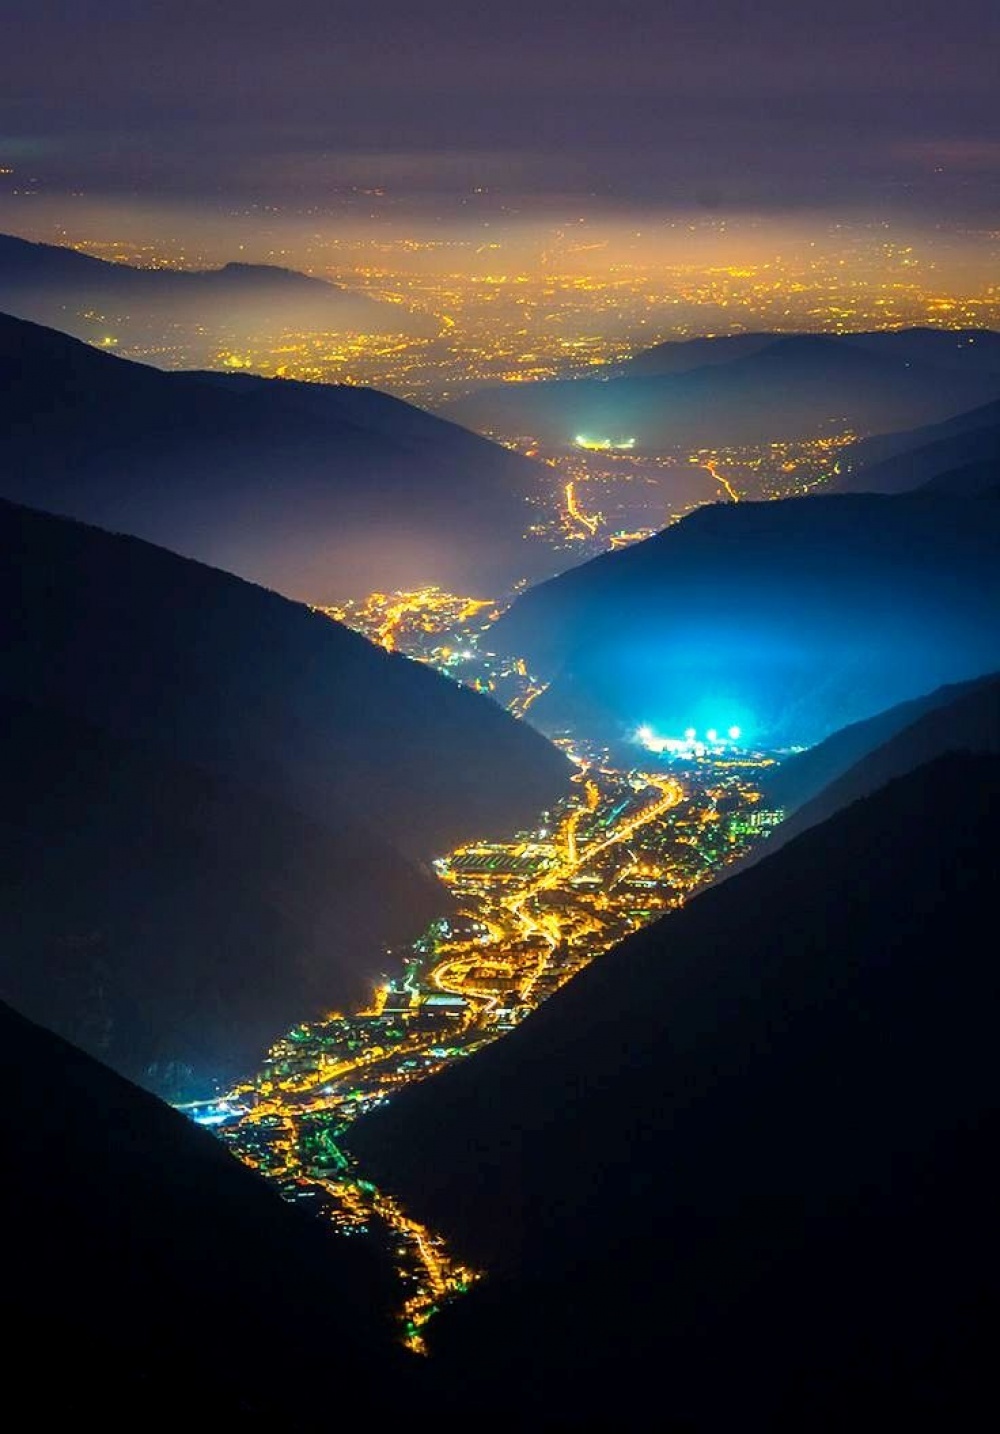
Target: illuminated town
[(633, 841), (504, 299), (645, 827), (589, 500), (607, 493), (501, 517)]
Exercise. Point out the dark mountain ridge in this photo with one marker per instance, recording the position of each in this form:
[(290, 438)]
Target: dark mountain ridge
[(293, 723), (743, 1166), (219, 672), (965, 718), (171, 922), (946, 348), (789, 619), (144, 1262), (52, 284), (683, 355), (800, 778), (900, 462), (970, 480), (313, 490), (793, 387)]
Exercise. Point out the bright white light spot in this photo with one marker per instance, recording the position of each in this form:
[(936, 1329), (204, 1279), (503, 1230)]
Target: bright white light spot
[(690, 734), (734, 734), (712, 735)]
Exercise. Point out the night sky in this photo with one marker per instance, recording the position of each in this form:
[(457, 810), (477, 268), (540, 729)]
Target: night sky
[(727, 106)]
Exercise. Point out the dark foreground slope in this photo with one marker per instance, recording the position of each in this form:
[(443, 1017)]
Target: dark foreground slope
[(148, 1275), (310, 490), (744, 1167), (788, 619), (173, 922), (327, 769)]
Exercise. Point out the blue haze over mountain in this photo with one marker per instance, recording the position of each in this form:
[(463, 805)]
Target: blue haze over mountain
[(788, 619)]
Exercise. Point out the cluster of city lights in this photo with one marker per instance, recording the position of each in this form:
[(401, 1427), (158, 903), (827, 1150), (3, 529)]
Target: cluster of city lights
[(690, 745), (603, 445)]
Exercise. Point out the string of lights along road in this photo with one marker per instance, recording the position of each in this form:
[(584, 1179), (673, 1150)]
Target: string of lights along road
[(630, 843)]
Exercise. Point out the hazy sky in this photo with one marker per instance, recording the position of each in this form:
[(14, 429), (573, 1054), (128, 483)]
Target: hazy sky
[(705, 102)]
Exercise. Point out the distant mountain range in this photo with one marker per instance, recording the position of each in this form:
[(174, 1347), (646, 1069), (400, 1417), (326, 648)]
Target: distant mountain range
[(753, 389), (787, 619), (318, 491), (900, 462), (205, 310), (144, 1264), (962, 350), (968, 722), (963, 716), (684, 355), (742, 1169), (221, 806)]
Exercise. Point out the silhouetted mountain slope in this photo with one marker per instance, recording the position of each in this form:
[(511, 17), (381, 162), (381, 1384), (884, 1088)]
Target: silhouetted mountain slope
[(804, 775), (971, 480), (968, 721), (364, 409), (899, 462), (793, 387), (683, 355), (327, 768), (968, 350), (886, 445), (171, 922), (971, 350), (743, 1167), (318, 494), (239, 680), (143, 1264), (789, 619), (49, 284)]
